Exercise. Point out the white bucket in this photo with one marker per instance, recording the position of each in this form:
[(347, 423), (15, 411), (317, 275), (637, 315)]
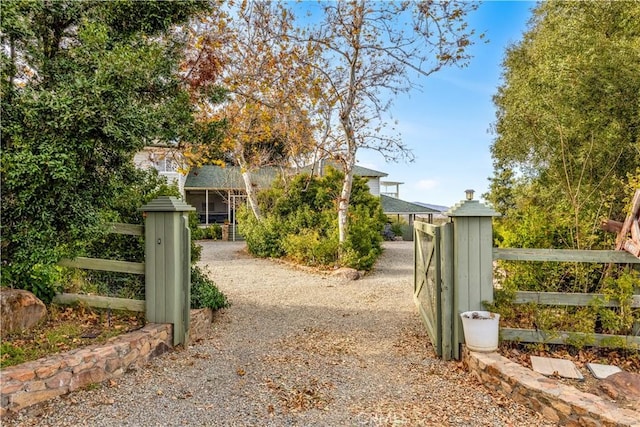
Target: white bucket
[(481, 330)]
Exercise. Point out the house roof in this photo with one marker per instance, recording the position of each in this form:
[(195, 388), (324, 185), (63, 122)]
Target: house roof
[(438, 208), (391, 205), (230, 178), (227, 178), (357, 170)]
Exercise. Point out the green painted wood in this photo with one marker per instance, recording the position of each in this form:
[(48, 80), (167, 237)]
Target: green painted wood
[(569, 299), (564, 255), (561, 337), (471, 208), (104, 265), (167, 204), (168, 272), (450, 346), (185, 254), (425, 227), (427, 282), (150, 262), (128, 229), (100, 302), (472, 261)]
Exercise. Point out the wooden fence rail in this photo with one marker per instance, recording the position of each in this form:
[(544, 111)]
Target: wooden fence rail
[(104, 265), (115, 266), (567, 299), (100, 302), (564, 255)]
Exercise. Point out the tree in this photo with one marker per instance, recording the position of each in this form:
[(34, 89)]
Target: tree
[(267, 86), (370, 52), (84, 85), (567, 119)]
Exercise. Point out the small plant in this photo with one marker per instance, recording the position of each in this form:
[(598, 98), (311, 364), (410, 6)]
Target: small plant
[(214, 231), (11, 354), (620, 320), (205, 293)]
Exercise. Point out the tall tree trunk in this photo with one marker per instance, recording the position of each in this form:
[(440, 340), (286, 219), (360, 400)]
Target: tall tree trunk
[(251, 194), (343, 204), (249, 187)]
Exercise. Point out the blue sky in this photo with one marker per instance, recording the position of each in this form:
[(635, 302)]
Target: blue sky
[(446, 123)]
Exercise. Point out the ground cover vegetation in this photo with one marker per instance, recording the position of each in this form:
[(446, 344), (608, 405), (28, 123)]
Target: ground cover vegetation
[(566, 156), (299, 223), (66, 328)]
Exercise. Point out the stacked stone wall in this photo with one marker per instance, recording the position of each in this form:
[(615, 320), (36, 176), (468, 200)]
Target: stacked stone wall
[(34, 382), (43, 379), (560, 403), (199, 323)]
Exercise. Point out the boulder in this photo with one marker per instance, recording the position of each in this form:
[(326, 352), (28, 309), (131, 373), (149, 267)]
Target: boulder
[(347, 273), (19, 310), (622, 385)]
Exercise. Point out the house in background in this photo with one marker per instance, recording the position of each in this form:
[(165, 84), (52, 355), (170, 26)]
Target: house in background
[(167, 160), (373, 177), (389, 193), (217, 191)]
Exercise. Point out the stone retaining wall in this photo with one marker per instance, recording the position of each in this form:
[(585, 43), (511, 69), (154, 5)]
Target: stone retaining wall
[(199, 323), (557, 402), (34, 382)]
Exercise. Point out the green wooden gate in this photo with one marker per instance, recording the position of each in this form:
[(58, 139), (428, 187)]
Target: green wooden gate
[(432, 284)]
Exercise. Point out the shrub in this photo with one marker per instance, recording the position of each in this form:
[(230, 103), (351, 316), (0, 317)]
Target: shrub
[(308, 247), (147, 186), (397, 227), (300, 221), (205, 293), (214, 232), (263, 237)]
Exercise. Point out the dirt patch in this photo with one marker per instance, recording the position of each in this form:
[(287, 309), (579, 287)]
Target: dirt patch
[(67, 328)]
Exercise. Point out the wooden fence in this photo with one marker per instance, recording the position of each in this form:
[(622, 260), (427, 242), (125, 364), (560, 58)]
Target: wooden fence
[(567, 299), (106, 265)]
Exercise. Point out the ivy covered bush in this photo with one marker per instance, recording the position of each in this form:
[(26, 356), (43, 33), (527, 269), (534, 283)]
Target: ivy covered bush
[(300, 223)]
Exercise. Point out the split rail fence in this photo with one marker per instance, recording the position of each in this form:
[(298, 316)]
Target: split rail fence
[(116, 266), (453, 273), (167, 267), (567, 299)]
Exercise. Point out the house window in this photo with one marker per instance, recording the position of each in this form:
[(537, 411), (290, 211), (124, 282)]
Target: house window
[(167, 164), (170, 165), (211, 206)]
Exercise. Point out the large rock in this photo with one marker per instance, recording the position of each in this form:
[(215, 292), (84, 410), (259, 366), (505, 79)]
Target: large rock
[(347, 273), (19, 310), (622, 385)]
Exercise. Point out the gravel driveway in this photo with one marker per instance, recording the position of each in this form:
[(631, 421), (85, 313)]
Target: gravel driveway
[(297, 348)]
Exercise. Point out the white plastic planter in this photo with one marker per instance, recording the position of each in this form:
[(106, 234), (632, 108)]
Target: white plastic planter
[(481, 329)]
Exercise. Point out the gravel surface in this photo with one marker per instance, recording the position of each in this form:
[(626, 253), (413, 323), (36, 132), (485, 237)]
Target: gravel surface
[(296, 348)]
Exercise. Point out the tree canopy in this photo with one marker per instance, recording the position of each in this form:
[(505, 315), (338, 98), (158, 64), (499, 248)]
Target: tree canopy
[(84, 85), (331, 77), (567, 132), (244, 49), (370, 52)]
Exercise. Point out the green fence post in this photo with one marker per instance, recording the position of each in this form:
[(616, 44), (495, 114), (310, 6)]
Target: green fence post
[(472, 260), (168, 264)]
